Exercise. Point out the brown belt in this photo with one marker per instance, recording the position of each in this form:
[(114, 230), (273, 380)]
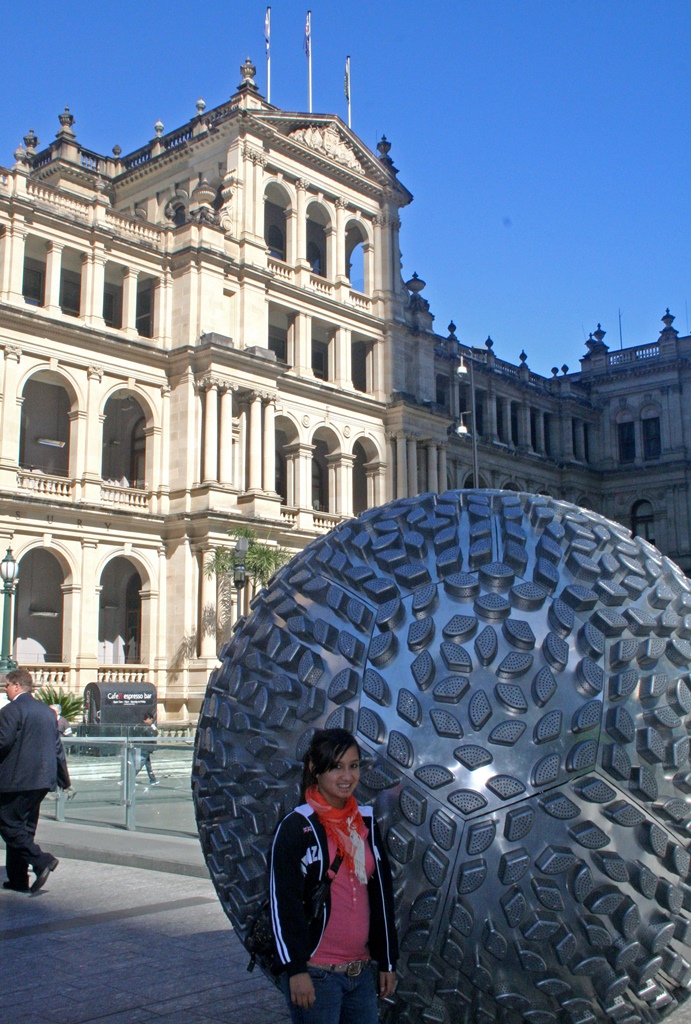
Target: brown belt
[(352, 969)]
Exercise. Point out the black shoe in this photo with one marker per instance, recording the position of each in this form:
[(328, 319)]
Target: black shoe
[(16, 888), (42, 876)]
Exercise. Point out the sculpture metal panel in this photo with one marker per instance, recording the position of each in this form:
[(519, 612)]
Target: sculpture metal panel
[(517, 672)]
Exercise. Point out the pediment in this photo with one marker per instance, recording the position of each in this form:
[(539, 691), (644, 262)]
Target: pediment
[(329, 139)]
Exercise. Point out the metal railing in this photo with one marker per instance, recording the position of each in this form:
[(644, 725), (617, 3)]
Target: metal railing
[(110, 784)]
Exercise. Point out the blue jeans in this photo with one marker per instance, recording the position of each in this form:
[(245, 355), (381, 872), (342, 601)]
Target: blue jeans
[(339, 999)]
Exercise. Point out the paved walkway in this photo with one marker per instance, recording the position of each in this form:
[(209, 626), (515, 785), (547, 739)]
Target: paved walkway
[(128, 930)]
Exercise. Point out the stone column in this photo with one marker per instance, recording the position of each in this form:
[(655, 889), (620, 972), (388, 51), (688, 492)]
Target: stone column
[(378, 242), (340, 242), (443, 483), (51, 298), (524, 439), (129, 301), (92, 464), (94, 264), (301, 232), (10, 410), (269, 446), (255, 445), (491, 417), (412, 467), (540, 430), (343, 376), (579, 431), (14, 248), (507, 421), (302, 330), (87, 656), (210, 471), (164, 466), (344, 485), (226, 437), (567, 437), (207, 608), (432, 466), (401, 466)]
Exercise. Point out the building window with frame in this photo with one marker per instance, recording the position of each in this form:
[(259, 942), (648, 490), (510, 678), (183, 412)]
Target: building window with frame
[(626, 435), (643, 521), (652, 445)]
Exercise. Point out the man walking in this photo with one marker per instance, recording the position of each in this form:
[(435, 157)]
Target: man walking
[(32, 762)]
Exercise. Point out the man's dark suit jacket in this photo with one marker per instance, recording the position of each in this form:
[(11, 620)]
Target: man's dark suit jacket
[(31, 752)]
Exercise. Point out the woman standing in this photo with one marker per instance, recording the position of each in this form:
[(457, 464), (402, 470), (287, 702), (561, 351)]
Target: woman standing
[(329, 960)]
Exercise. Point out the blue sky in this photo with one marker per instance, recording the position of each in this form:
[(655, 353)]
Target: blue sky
[(546, 142)]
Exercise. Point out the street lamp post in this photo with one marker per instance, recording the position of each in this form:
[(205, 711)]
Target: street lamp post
[(9, 573), (466, 366), (239, 562)]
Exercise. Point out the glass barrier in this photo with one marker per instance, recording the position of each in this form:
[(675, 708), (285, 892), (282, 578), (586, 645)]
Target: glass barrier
[(139, 782)]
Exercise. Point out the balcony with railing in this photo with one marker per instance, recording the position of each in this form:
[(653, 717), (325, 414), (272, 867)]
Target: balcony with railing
[(44, 485)]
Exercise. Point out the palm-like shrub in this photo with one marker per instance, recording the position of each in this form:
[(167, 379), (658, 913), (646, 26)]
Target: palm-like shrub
[(72, 707)]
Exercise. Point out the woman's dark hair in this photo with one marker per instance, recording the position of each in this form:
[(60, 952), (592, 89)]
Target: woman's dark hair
[(326, 749)]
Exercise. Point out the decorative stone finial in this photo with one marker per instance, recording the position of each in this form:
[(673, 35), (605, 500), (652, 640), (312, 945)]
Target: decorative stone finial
[(201, 106), (384, 146), (668, 319), (523, 356), (158, 128), (31, 141), (20, 156), (248, 71), (599, 334), (117, 150), (452, 329), (415, 285), (66, 120), (489, 344), (555, 371), (564, 369)]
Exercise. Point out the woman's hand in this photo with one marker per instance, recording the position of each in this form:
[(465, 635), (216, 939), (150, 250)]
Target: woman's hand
[(387, 983), (302, 991)]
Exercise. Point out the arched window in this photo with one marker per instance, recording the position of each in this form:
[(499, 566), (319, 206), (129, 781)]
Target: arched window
[(317, 223), (652, 441), (355, 256), (124, 442), (320, 477), (138, 453), (276, 242), (44, 437), (626, 438), (120, 614), (643, 521), (38, 613), (315, 258)]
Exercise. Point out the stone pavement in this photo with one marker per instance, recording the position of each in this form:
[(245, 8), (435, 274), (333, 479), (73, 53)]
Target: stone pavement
[(109, 939)]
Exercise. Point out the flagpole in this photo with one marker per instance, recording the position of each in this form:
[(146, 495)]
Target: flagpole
[(267, 36), (308, 44), (347, 82)]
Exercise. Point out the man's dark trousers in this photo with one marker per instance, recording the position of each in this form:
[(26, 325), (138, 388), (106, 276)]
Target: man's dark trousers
[(18, 821)]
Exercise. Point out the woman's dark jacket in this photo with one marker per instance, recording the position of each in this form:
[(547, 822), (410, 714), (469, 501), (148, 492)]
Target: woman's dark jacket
[(299, 861)]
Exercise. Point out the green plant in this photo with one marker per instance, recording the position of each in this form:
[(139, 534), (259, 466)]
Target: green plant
[(261, 561), (72, 707)]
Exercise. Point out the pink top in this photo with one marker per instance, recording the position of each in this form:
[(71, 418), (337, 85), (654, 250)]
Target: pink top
[(345, 935)]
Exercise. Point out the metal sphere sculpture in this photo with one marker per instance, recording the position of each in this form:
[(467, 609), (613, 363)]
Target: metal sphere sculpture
[(517, 672)]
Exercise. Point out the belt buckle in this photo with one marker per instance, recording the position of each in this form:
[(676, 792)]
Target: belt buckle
[(354, 968)]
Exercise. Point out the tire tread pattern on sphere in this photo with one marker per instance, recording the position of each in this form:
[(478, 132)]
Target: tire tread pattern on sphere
[(516, 670)]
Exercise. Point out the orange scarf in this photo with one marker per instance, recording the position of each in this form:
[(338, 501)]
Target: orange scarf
[(346, 827)]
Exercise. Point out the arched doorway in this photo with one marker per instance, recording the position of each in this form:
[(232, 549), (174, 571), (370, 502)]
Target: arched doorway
[(124, 441), (44, 438), (120, 614), (38, 612)]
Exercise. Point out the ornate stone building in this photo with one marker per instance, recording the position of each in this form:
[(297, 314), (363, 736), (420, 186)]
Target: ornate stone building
[(212, 331)]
